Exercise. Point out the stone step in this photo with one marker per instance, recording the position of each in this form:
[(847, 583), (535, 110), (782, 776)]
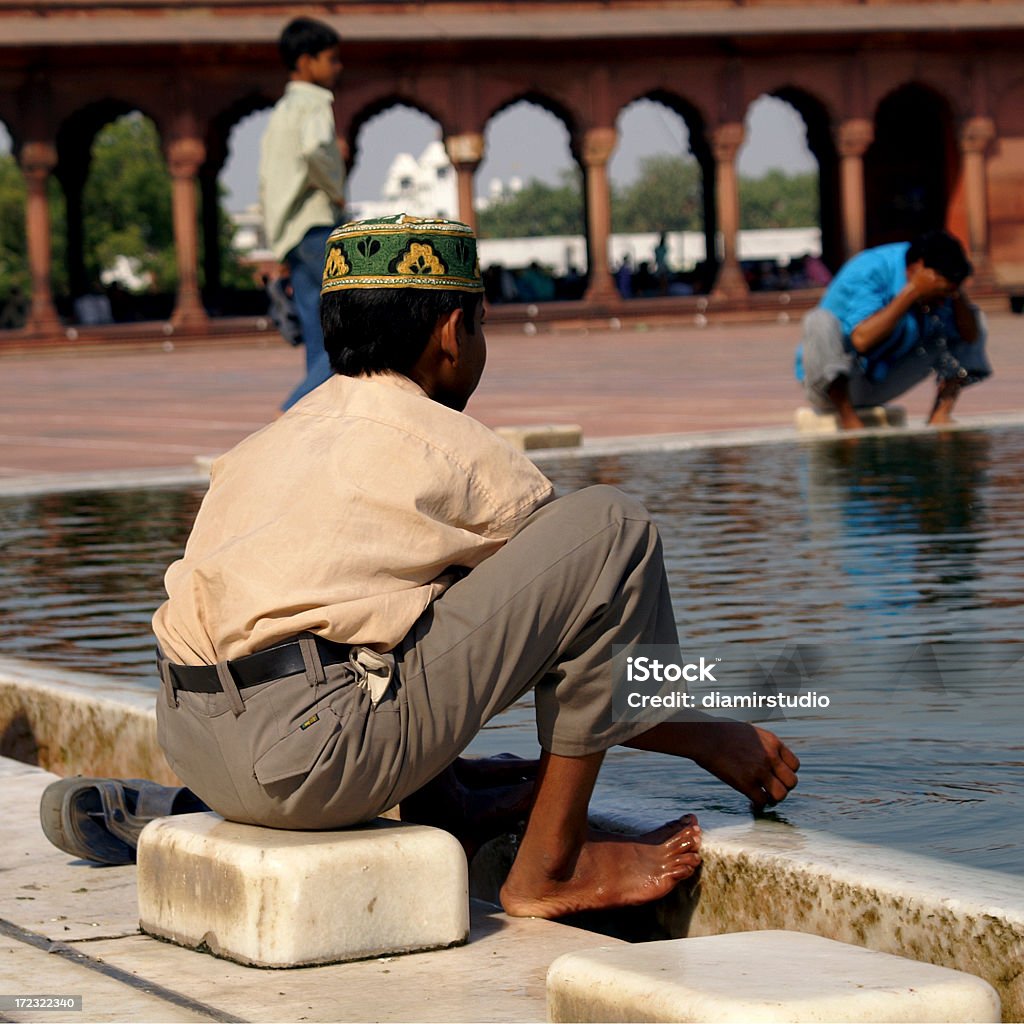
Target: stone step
[(551, 435), (274, 898), (810, 421), (760, 976)]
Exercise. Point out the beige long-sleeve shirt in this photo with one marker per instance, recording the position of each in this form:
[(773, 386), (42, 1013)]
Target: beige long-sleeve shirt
[(344, 518), (302, 177)]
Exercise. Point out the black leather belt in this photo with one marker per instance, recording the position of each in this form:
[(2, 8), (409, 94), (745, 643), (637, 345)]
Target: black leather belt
[(263, 666)]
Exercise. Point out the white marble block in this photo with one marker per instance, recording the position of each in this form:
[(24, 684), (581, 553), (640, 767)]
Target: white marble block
[(552, 435), (760, 976), (273, 898), (810, 421)]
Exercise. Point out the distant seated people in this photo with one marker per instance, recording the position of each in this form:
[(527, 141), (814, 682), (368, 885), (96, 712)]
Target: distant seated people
[(571, 285), (93, 308), (644, 282), (535, 284), (891, 316), (624, 278), (808, 271), (703, 276), (816, 273)]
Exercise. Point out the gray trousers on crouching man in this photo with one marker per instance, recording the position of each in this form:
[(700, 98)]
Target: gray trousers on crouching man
[(826, 358), (338, 744)]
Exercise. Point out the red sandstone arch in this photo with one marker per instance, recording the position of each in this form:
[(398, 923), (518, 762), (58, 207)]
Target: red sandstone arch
[(545, 101), (75, 138), (596, 240), (820, 126), (179, 59), (220, 125), (696, 126), (912, 166), (218, 133), (380, 106)]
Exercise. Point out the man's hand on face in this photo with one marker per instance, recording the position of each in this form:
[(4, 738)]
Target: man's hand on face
[(929, 285)]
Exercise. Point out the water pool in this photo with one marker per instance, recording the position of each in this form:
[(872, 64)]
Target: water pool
[(846, 545)]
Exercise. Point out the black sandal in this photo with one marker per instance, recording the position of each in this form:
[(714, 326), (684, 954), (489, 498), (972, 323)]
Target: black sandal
[(100, 819)]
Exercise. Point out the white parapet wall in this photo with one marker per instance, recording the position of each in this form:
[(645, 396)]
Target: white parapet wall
[(761, 875), (79, 723), (685, 249)]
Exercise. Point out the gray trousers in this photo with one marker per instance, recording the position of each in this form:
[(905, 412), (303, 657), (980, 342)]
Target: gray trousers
[(826, 359), (338, 745)]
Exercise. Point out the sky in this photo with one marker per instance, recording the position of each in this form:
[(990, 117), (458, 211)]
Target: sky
[(775, 138), (526, 142)]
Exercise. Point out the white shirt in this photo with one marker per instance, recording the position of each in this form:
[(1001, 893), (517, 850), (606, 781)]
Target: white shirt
[(302, 177)]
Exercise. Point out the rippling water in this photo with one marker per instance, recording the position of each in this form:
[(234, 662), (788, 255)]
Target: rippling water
[(845, 545)]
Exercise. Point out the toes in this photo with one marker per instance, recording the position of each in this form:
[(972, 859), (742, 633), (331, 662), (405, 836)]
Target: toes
[(688, 840), (776, 790), (684, 866)]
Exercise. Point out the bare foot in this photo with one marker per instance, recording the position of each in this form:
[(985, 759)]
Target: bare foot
[(945, 399), (609, 871), (941, 416), (839, 395), (754, 761)]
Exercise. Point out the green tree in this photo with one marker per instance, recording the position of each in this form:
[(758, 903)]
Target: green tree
[(779, 200), (126, 212), (536, 210), (13, 251), (127, 207), (127, 202), (667, 195)]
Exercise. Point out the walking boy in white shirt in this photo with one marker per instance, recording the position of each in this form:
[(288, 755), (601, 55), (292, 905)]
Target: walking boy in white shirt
[(302, 178)]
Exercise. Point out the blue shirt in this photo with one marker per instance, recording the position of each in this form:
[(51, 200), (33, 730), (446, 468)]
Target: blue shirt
[(868, 283)]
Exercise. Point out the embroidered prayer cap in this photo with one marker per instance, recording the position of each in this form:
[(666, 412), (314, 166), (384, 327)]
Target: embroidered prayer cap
[(402, 252)]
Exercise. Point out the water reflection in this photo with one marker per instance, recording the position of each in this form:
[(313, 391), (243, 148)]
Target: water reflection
[(904, 520), (81, 574), (837, 545)]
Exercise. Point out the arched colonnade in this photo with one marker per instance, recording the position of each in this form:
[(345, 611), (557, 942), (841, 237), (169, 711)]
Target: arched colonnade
[(903, 141)]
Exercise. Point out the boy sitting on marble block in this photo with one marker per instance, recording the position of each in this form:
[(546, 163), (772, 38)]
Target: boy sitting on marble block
[(375, 575)]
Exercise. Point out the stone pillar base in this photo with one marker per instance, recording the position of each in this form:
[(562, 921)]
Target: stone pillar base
[(190, 320), (730, 283)]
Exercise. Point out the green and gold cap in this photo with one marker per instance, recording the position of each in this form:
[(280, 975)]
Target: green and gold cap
[(402, 252)]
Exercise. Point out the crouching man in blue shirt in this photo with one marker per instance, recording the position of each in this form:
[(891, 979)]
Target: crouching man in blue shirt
[(891, 316)]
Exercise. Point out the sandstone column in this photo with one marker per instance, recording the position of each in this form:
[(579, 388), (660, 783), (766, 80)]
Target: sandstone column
[(38, 160), (726, 140), (976, 135), (465, 151), (852, 140), (184, 157), (598, 144)]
